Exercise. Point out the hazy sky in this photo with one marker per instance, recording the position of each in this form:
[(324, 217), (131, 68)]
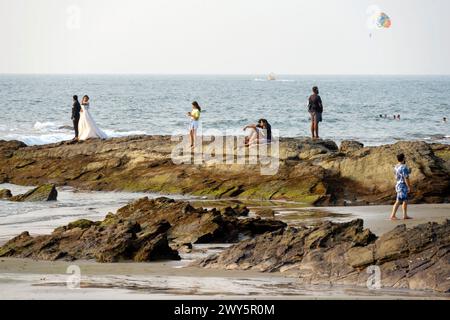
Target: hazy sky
[(223, 37)]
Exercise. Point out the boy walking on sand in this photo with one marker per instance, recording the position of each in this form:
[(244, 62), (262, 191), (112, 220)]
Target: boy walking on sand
[(403, 187)]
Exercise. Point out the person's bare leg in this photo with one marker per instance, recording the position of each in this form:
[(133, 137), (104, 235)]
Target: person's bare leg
[(191, 137), (394, 210), (312, 129), (317, 130), (405, 211)]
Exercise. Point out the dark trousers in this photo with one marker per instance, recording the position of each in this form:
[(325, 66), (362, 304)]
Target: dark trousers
[(75, 126)]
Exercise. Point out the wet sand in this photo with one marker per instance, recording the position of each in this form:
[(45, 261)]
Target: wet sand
[(28, 279), (376, 218)]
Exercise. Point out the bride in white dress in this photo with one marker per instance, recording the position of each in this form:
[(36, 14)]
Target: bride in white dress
[(87, 127)]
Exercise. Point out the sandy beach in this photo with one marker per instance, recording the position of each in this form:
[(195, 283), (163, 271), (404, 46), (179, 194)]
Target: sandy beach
[(31, 279), (376, 218), (28, 279)]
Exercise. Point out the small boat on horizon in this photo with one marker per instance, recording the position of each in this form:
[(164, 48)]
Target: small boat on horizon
[(271, 77)]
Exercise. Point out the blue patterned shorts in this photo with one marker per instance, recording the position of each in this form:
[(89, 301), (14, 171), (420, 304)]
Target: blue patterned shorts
[(402, 192)]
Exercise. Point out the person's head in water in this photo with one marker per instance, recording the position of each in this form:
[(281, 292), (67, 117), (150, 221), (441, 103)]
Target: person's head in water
[(85, 99), (196, 106), (315, 90), (398, 117), (401, 158), (75, 98), (444, 119)]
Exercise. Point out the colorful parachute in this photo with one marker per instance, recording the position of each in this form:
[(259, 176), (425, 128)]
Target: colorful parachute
[(383, 20)]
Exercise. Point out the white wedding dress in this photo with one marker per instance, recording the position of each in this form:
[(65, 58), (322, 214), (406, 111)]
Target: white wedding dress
[(87, 127)]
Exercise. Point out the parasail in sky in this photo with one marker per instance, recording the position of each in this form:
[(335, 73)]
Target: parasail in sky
[(383, 20), (377, 19)]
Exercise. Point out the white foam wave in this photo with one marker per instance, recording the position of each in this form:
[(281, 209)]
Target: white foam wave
[(43, 126), (62, 135), (118, 134), (40, 139)]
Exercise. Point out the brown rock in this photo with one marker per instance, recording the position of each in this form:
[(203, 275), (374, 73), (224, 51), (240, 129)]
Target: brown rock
[(265, 213), (236, 211), (360, 256), (417, 258), (7, 148), (310, 171), (45, 192), (191, 225), (5, 194), (350, 145), (144, 230)]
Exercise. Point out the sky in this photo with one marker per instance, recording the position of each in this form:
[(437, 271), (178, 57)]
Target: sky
[(223, 37)]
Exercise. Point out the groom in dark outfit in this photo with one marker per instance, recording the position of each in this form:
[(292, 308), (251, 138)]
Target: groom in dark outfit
[(76, 108)]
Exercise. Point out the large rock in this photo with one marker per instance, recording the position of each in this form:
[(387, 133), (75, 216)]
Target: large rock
[(265, 213), (366, 175), (306, 148), (417, 258), (144, 230), (310, 171), (45, 192), (8, 147), (350, 145), (197, 225), (120, 241), (5, 194)]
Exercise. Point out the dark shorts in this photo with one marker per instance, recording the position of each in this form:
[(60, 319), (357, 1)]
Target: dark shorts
[(316, 116)]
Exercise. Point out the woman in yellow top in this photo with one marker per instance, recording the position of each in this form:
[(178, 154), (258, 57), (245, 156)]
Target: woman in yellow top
[(195, 116)]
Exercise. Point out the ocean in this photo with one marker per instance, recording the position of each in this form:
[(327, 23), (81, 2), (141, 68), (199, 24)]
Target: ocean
[(36, 109)]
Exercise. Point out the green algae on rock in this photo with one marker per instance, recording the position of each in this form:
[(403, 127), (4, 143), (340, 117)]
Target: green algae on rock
[(310, 171), (46, 192)]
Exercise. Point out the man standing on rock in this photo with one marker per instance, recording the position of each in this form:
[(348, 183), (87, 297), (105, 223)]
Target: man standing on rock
[(315, 109), (76, 108), (403, 187)]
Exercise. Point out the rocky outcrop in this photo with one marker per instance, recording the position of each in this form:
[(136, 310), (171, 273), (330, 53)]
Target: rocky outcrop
[(324, 253), (265, 213), (145, 230), (371, 169), (350, 145), (5, 194), (314, 172), (7, 148), (197, 225), (332, 253), (105, 243), (45, 192)]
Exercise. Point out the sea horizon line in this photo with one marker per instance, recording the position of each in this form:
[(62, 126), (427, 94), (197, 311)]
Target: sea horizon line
[(225, 74)]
